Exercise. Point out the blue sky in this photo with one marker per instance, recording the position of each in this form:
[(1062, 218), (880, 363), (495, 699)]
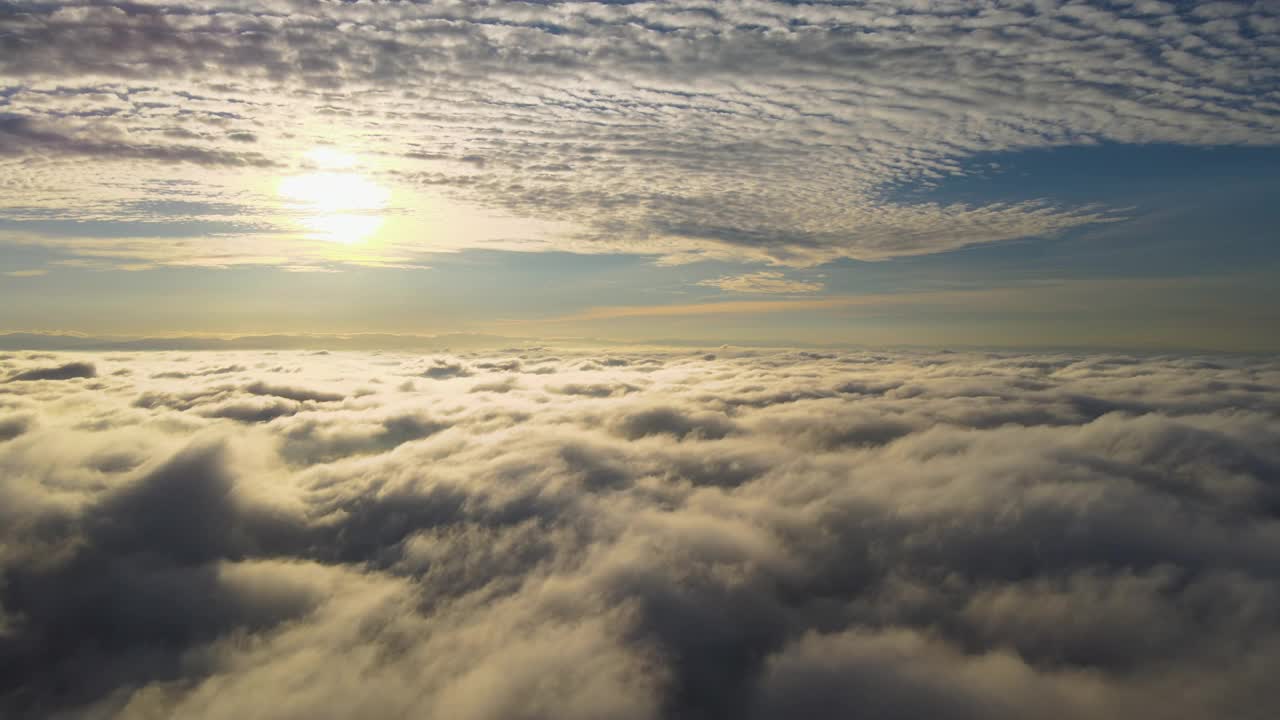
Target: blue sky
[(872, 173)]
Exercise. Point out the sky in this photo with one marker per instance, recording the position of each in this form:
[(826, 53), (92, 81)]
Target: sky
[(689, 360), (1039, 173)]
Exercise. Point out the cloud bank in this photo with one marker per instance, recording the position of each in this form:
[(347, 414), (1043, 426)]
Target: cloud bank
[(768, 131), (551, 533)]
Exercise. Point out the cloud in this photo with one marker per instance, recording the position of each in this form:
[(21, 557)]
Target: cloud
[(764, 282), (11, 426), (749, 533), (599, 390), (670, 421), (292, 393), (904, 674), (253, 411), (442, 369), (19, 136), (775, 132), (315, 440), (183, 375), (68, 371), (498, 386)]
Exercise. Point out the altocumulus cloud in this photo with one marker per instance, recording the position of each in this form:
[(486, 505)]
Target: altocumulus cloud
[(639, 535), (769, 131)]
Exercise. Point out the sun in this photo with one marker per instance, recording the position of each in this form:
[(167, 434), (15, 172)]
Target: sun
[(334, 202), (334, 192)]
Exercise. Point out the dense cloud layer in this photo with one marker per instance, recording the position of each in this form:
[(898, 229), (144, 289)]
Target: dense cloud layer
[(568, 534), (772, 131)]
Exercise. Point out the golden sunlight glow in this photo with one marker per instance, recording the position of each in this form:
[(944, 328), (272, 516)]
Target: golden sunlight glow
[(327, 158), (335, 204), (334, 191)]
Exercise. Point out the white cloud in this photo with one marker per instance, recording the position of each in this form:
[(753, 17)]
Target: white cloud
[(765, 282), (568, 533), (748, 130)]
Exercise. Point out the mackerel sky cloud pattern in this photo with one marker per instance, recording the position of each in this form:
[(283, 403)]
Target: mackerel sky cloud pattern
[(771, 132)]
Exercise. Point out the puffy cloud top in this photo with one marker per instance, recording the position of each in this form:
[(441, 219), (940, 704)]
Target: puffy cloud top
[(640, 535)]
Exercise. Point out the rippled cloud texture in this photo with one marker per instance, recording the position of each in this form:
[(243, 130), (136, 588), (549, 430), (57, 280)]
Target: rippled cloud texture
[(568, 534), (777, 132)]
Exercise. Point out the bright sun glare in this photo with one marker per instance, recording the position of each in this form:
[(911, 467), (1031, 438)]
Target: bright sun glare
[(335, 203)]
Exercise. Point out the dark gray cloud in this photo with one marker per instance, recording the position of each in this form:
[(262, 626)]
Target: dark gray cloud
[(316, 440), (253, 411), (68, 371), (292, 393), (11, 426), (19, 136), (674, 422), (599, 390), (747, 534), (443, 369)]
